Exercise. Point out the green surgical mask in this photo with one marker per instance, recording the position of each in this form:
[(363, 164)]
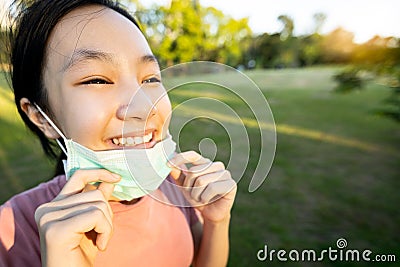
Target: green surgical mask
[(142, 170)]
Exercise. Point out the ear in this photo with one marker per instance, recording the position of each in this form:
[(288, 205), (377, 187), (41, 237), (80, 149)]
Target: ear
[(36, 118)]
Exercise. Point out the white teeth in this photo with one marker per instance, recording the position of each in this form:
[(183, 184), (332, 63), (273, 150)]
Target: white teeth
[(130, 141), (138, 140), (147, 137)]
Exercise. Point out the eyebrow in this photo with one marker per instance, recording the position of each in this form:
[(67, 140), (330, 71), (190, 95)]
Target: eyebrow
[(149, 58), (81, 55)]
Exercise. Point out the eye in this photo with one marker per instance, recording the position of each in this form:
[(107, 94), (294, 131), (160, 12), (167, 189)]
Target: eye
[(151, 80), (96, 81)]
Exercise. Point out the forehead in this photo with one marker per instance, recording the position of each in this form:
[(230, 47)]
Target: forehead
[(95, 28)]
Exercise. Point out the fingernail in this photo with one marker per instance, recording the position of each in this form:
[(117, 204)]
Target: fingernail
[(116, 177), (102, 245), (169, 164)]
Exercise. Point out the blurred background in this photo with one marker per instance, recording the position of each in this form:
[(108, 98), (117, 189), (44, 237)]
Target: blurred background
[(330, 71)]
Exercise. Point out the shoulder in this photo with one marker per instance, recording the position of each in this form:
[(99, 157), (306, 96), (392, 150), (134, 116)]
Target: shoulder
[(21, 208), (19, 239), (23, 205), (32, 198)]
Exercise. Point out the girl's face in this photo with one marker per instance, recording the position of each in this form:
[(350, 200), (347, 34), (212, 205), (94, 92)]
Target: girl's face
[(96, 61)]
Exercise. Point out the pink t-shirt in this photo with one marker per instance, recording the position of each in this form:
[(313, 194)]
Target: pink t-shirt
[(147, 233)]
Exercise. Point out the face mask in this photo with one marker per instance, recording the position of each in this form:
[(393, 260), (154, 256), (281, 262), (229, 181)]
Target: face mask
[(142, 170)]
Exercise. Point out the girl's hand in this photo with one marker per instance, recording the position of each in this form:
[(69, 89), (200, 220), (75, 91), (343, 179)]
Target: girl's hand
[(77, 223), (207, 185)]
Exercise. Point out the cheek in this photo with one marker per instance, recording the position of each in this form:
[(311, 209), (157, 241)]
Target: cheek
[(85, 120), (164, 110), (164, 107), (161, 100)]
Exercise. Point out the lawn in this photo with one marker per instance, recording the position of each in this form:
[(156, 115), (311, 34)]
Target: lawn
[(335, 173), (21, 160)]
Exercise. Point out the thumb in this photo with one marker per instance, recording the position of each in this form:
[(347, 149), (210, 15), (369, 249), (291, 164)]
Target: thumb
[(107, 189), (178, 173)]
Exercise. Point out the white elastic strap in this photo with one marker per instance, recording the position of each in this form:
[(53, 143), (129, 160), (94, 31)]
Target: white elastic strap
[(62, 147), (54, 126)]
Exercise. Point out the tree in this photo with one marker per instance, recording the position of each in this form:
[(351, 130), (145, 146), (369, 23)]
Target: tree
[(265, 49), (310, 50), (186, 31), (225, 37), (338, 46), (288, 26), (319, 20), (182, 34), (379, 57)]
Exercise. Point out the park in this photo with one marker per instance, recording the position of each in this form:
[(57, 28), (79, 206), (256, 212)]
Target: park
[(335, 172), (335, 106)]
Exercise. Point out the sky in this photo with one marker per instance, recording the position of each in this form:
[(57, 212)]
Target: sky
[(365, 18)]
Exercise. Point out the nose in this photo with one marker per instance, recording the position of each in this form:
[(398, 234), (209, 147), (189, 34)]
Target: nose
[(140, 108)]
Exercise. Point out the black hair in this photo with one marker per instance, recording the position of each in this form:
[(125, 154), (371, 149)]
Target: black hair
[(33, 22)]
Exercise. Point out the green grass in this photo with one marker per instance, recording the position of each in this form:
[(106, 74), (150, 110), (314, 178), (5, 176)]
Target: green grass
[(22, 164), (335, 173)]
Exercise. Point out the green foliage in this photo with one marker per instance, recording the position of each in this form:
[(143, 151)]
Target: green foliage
[(380, 59), (288, 26), (187, 31), (310, 50), (183, 33), (392, 105), (348, 80), (264, 49), (285, 50)]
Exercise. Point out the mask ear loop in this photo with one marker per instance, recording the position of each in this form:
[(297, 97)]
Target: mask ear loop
[(55, 128)]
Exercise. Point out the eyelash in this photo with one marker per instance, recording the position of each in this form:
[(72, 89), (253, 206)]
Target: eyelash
[(102, 81), (96, 81), (151, 80)]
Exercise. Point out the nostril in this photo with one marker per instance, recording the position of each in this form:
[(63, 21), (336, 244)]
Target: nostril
[(121, 112), (140, 107)]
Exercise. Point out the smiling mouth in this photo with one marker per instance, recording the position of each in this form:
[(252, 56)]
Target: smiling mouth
[(133, 141)]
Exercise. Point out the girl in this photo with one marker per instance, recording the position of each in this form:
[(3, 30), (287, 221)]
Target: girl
[(75, 65)]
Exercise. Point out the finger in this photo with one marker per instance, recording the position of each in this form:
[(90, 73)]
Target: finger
[(201, 182), (208, 167), (107, 189), (71, 201), (74, 211), (178, 174), (196, 171), (82, 177), (218, 189), (72, 228), (187, 157)]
